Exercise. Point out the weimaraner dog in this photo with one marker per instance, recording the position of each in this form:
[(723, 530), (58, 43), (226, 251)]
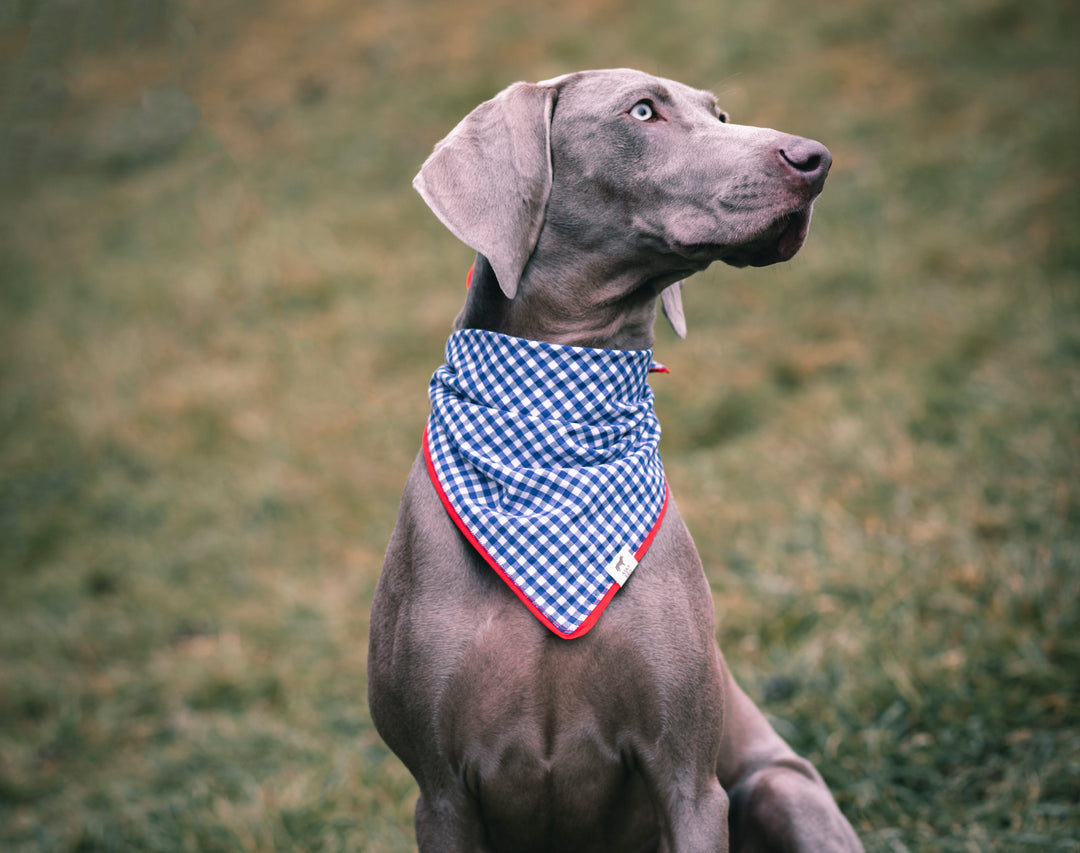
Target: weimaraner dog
[(587, 197)]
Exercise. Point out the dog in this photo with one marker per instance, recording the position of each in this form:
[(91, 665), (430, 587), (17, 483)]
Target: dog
[(588, 199)]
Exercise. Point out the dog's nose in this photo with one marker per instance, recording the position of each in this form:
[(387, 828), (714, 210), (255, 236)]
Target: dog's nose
[(807, 160)]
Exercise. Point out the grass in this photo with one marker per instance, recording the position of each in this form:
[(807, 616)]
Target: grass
[(214, 348)]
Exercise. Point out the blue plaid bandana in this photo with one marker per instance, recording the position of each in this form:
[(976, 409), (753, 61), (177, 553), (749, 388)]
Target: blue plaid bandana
[(546, 458)]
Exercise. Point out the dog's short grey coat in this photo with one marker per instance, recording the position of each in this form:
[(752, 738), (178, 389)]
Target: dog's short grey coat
[(586, 198)]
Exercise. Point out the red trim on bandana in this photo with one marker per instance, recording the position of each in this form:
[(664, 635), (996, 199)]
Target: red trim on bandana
[(585, 626)]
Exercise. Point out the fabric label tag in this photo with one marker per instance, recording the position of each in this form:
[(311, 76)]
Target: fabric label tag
[(622, 566)]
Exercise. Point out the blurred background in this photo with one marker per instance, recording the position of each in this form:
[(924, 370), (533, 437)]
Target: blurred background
[(221, 303)]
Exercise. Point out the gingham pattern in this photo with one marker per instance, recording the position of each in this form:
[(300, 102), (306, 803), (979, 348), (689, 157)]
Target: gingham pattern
[(548, 457)]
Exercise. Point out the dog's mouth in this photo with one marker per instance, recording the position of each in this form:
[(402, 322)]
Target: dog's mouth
[(777, 243)]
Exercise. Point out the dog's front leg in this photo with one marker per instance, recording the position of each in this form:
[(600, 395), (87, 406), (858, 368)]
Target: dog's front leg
[(699, 823), (445, 823)]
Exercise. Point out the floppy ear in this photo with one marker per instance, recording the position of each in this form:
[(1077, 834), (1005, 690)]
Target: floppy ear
[(671, 302), (489, 180)]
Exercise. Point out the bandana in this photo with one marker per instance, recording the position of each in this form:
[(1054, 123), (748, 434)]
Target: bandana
[(545, 457)]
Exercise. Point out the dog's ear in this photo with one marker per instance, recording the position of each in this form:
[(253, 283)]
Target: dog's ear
[(671, 302), (489, 179)]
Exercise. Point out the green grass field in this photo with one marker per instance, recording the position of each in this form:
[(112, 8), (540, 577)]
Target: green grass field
[(221, 302)]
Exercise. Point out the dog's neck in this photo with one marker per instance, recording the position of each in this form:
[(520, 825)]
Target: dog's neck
[(606, 308)]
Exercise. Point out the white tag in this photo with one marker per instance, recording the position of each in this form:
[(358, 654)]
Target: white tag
[(622, 566)]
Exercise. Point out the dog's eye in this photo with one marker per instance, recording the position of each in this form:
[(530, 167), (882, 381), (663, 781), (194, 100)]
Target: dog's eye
[(642, 111)]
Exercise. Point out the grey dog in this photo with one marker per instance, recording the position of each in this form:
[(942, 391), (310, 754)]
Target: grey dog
[(587, 197)]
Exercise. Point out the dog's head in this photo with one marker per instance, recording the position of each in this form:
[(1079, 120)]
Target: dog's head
[(622, 165)]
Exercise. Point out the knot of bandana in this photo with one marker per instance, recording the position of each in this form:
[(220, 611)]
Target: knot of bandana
[(546, 457)]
